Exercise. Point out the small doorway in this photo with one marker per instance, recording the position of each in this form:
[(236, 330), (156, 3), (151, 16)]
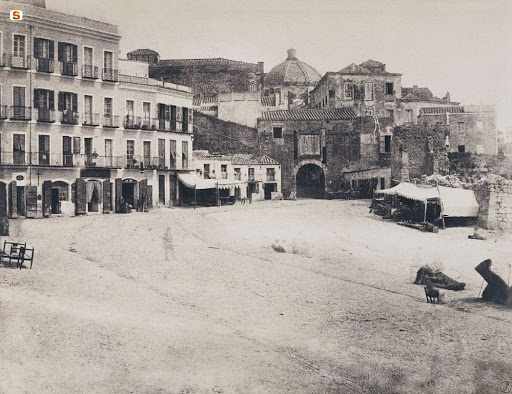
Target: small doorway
[(94, 200), (161, 189), (55, 202), (20, 200), (3, 199), (269, 188), (129, 193)]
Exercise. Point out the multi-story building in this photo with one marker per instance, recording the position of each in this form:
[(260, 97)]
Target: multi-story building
[(257, 177), (77, 134)]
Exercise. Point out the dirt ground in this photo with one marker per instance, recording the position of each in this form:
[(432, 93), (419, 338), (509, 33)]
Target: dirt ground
[(197, 301)]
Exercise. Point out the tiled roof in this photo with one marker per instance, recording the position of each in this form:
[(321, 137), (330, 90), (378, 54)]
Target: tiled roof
[(311, 114), (268, 101), (441, 110), (354, 69), (236, 158), (219, 61), (142, 52), (372, 63), (416, 94)]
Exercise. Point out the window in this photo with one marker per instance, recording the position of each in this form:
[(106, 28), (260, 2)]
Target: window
[(88, 56), (368, 112), (89, 71), (206, 172), (447, 141), (43, 53), (18, 47), (382, 183), (109, 152), (172, 150), (237, 173), (184, 155), (461, 148), (185, 119), (107, 108), (146, 116), (368, 91), (88, 117), (251, 174), (68, 105), (108, 60), (224, 171), (19, 111), (332, 94), (130, 118), (68, 56), (389, 88), (461, 128), (387, 143), (277, 132), (271, 174), (130, 152), (44, 149), (391, 113), (67, 153), (44, 103), (161, 153), (18, 148), (409, 116), (252, 86), (108, 118), (76, 145), (146, 149), (348, 90)]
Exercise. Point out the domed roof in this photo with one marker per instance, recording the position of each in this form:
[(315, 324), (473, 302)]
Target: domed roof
[(292, 72)]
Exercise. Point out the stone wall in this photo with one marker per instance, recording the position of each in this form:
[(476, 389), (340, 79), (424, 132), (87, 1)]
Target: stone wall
[(216, 135), (495, 201), (418, 150)]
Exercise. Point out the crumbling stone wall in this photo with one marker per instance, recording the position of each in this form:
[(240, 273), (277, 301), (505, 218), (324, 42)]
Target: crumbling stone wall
[(216, 135), (497, 213), (418, 150)]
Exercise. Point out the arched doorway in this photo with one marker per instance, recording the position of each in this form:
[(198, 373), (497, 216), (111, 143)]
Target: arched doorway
[(310, 182)]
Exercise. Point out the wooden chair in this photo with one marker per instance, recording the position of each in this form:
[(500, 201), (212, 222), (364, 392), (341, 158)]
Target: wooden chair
[(11, 251), (26, 254)]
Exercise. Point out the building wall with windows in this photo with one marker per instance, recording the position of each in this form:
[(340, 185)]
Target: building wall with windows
[(368, 89), (68, 115), (472, 128)]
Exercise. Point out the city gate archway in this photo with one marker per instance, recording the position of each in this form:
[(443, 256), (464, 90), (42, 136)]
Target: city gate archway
[(310, 181)]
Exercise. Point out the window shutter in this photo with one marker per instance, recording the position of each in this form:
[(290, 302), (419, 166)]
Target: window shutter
[(60, 55), (160, 111), (190, 115), (37, 53), (36, 98), (50, 50), (61, 100), (51, 100), (75, 103), (75, 54), (76, 145)]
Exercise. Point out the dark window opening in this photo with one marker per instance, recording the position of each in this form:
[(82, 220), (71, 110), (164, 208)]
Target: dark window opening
[(278, 132), (461, 148), (332, 94), (324, 155), (389, 88), (387, 143)]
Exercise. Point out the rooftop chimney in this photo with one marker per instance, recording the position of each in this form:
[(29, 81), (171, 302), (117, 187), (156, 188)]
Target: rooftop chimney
[(292, 54)]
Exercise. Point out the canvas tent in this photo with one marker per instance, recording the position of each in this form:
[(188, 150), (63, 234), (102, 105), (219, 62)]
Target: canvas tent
[(194, 181), (455, 202)]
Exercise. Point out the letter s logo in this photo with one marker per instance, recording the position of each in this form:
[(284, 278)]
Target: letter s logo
[(16, 15)]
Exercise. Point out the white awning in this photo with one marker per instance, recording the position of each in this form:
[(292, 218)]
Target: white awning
[(192, 179), (458, 202), (413, 192)]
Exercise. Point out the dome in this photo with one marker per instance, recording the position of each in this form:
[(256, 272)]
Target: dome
[(292, 72)]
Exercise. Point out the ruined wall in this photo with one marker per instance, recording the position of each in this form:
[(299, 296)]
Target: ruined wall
[(212, 78), (220, 136), (495, 201), (420, 150)]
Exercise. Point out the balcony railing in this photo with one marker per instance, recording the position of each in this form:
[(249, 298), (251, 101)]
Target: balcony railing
[(132, 161), (110, 121), (110, 75), (103, 161), (20, 62), (89, 71), (91, 119), (148, 124), (132, 122), (45, 115), (69, 117), (164, 125), (44, 65), (69, 68), (20, 112), (3, 111)]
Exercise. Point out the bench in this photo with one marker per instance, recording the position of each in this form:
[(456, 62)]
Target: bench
[(17, 251)]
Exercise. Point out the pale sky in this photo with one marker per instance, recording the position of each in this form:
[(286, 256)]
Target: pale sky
[(460, 46)]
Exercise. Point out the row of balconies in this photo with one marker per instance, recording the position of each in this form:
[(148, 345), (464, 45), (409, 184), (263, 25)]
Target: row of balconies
[(237, 176), (22, 158), (45, 115), (65, 68)]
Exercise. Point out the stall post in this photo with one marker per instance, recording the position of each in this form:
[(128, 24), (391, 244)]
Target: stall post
[(217, 194), (195, 196)]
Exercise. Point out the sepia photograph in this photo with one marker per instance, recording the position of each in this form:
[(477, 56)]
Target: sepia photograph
[(268, 196)]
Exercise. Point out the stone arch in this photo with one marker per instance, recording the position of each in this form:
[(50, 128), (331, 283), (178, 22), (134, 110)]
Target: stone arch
[(310, 179)]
